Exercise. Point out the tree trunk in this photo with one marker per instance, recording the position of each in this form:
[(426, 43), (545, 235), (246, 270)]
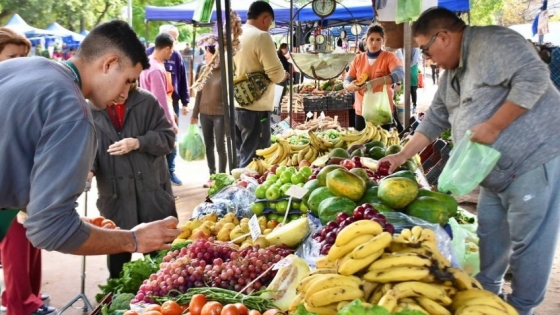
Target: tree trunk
[(104, 12)]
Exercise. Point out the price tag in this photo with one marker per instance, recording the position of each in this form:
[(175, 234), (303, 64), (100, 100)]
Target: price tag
[(254, 227), (309, 115), (283, 263), (296, 192)]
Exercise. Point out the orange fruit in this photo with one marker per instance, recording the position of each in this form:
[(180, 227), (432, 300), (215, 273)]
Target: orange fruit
[(171, 308), (152, 307), (109, 224), (97, 221)]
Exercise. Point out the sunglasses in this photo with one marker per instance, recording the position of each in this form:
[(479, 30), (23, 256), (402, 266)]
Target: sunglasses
[(425, 49)]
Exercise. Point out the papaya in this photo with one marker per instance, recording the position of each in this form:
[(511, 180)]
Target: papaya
[(370, 196), (376, 153), (357, 152), (405, 173), (364, 176), (450, 202), (316, 197), (310, 186), (322, 176), (372, 144), (394, 149), (428, 209), (397, 192), (342, 183), (410, 165), (382, 208), (362, 79), (331, 207), (339, 152)]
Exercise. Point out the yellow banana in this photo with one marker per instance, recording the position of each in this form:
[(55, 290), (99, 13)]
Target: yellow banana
[(323, 271), (434, 292), (400, 261), (325, 262), (335, 295), (295, 303), (469, 297), (480, 310), (337, 252), (352, 266), (431, 306), (368, 288), (462, 280), (389, 301), (341, 304), (376, 295), (383, 135), (305, 282), (428, 235), (397, 274), (416, 232), (377, 136), (297, 147), (331, 281), (267, 151), (442, 261), (301, 154), (409, 305), (378, 243), (323, 310), (356, 229)]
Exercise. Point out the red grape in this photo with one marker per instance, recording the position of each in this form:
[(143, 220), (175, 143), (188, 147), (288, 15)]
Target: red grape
[(370, 214), (358, 213), (324, 232), (350, 220), (332, 225), (325, 248), (330, 238), (390, 228), (316, 234), (341, 217)]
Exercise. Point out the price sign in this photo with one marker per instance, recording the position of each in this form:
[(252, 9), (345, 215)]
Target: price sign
[(284, 262), (254, 227), (296, 192)]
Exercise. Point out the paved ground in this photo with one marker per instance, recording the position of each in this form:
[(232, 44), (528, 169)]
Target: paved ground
[(61, 273)]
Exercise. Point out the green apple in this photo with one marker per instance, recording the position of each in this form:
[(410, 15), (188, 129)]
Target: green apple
[(298, 178), (273, 193), (257, 207), (271, 205), (286, 177), (284, 188), (260, 192), (282, 206), (293, 216), (306, 170), (273, 216), (291, 169), (296, 205), (303, 207), (280, 170), (266, 184), (271, 178), (301, 184)]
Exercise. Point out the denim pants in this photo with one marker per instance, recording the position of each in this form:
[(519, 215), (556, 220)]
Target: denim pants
[(171, 156), (519, 227), (213, 132)]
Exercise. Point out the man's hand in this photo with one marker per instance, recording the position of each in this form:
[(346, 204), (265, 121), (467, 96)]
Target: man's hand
[(394, 160), (184, 110), (156, 235), (124, 146), (485, 133), (354, 88), (176, 130), (90, 176), (194, 121), (176, 118)]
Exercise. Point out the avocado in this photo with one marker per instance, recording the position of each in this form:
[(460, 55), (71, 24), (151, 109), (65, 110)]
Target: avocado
[(357, 152), (372, 144), (376, 153), (394, 149), (339, 152)]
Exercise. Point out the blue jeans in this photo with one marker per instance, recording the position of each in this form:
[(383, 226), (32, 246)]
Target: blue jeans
[(171, 158), (519, 227)]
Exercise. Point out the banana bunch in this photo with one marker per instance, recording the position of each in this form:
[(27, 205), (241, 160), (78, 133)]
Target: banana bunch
[(392, 137), (276, 153), (325, 292), (370, 133), (480, 302), (320, 143), (284, 153), (259, 166)]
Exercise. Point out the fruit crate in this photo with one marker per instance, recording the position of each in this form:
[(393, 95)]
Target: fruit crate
[(315, 103), (298, 118), (343, 116), (434, 157), (107, 300), (341, 101)]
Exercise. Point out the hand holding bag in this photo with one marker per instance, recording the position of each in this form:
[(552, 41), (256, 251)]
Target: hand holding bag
[(376, 107)]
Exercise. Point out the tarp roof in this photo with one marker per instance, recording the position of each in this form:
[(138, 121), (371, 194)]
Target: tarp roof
[(17, 24), (61, 30)]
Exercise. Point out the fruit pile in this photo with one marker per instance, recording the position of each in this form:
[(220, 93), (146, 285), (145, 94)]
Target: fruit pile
[(403, 271), (207, 263), (327, 235)]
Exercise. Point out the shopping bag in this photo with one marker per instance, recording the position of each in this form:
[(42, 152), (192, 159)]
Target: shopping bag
[(191, 147), (6, 218), (468, 165), (376, 107), (408, 10)]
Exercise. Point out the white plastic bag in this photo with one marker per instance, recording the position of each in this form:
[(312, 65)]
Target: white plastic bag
[(376, 106)]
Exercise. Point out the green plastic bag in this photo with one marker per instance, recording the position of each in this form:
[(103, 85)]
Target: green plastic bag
[(191, 147), (465, 246), (468, 165), (376, 107), (408, 10)]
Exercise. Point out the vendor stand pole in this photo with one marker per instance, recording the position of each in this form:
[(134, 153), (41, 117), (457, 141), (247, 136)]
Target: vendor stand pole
[(82, 296), (407, 74), (227, 80), (291, 43)]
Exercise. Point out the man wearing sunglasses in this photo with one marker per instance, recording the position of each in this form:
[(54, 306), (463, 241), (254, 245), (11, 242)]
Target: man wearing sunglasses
[(496, 86)]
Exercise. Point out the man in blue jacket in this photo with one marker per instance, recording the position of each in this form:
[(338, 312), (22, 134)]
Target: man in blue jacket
[(176, 67)]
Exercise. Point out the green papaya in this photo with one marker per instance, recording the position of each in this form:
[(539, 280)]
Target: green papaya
[(331, 207), (372, 144), (405, 173), (450, 203), (370, 196), (428, 209)]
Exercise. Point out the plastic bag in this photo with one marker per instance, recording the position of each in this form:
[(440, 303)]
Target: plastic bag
[(310, 249), (465, 246), (376, 106), (219, 206), (191, 147), (408, 10), (241, 196), (468, 165)]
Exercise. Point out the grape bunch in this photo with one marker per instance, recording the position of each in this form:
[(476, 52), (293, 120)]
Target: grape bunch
[(327, 235), (207, 263)]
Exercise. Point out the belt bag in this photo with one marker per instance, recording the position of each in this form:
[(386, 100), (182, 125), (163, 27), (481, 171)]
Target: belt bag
[(250, 87)]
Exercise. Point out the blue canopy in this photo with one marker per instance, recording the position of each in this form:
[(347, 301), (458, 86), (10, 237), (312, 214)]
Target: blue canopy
[(184, 12), (17, 24), (72, 36), (455, 5)]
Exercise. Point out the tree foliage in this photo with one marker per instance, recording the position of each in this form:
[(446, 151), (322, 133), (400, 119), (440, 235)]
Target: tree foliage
[(484, 12)]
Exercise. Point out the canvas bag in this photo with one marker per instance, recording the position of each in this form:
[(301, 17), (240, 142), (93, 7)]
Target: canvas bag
[(250, 87)]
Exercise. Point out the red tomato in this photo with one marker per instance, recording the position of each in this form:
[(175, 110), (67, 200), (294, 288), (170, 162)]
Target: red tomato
[(242, 308), (230, 309), (254, 312), (211, 308), (273, 312), (196, 304), (130, 313)]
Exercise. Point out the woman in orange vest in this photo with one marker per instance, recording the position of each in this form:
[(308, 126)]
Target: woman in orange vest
[(381, 66)]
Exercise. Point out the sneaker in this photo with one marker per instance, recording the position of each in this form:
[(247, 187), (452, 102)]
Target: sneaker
[(45, 297), (175, 180), (3, 309), (44, 310)]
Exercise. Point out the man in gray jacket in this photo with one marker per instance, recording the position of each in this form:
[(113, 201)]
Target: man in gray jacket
[(496, 86)]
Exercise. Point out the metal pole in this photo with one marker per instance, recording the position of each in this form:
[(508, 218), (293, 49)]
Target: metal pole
[(130, 12), (290, 43), (407, 63), (230, 83)]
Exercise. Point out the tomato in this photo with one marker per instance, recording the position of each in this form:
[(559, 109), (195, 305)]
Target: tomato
[(254, 312), (196, 304), (171, 308), (152, 307), (211, 308), (230, 309), (151, 312), (273, 312), (97, 221), (242, 308), (184, 307), (130, 313)]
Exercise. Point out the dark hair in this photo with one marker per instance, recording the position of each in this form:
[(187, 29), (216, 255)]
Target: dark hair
[(211, 49), (376, 29), (436, 19), (361, 46), (116, 36), (164, 40), (257, 8), (282, 46), (7, 36)]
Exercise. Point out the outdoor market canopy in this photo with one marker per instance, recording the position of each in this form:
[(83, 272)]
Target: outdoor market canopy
[(74, 37)]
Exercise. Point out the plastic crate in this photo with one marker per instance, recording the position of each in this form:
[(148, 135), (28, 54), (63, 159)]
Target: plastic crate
[(343, 117), (296, 117), (434, 164), (315, 103), (338, 101)]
